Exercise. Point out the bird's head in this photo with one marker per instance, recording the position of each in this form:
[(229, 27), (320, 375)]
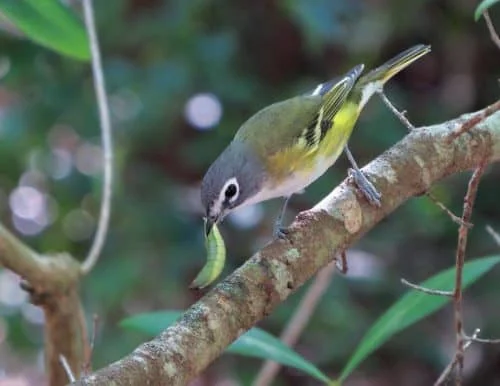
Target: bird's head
[(234, 179)]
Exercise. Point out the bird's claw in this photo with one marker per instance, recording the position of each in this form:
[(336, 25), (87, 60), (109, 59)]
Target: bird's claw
[(366, 187), (280, 232)]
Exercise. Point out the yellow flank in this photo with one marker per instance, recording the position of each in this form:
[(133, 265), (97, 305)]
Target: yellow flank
[(336, 138), (216, 258), (301, 158)]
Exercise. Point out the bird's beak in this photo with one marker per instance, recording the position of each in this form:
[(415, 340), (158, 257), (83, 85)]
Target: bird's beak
[(209, 223)]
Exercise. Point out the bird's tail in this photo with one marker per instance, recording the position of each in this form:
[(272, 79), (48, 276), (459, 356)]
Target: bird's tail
[(390, 68), (374, 80)]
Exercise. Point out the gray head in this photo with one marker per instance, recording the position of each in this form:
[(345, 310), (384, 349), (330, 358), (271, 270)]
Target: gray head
[(234, 178)]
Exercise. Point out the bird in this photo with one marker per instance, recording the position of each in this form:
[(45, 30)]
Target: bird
[(286, 146)]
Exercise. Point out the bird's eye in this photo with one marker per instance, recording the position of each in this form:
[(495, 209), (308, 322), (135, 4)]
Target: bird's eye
[(231, 191)]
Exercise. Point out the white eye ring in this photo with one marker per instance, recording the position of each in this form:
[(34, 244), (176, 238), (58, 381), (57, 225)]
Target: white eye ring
[(227, 190)]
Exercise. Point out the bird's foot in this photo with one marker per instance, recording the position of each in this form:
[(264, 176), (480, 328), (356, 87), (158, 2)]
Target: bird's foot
[(366, 187), (280, 232)]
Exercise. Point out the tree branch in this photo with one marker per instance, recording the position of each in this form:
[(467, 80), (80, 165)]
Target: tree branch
[(52, 283), (251, 293), (463, 233)]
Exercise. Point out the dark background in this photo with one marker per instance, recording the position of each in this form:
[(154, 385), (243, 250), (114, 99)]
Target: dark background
[(235, 57)]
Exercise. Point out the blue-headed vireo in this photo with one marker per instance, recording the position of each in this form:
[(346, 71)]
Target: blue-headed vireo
[(286, 146)]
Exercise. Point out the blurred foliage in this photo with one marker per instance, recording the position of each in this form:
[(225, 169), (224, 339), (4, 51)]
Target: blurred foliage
[(238, 56), (49, 23), (482, 7), (414, 306)]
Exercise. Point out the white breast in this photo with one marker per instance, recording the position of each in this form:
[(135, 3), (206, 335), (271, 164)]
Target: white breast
[(294, 184)]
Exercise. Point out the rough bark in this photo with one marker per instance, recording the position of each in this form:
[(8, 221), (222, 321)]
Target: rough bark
[(409, 168), (52, 282)]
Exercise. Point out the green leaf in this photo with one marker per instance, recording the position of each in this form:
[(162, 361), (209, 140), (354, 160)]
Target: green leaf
[(50, 24), (414, 306), (151, 323), (260, 344), (483, 6), (255, 343)]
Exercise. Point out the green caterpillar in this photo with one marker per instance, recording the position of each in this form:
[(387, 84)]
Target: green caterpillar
[(216, 257)]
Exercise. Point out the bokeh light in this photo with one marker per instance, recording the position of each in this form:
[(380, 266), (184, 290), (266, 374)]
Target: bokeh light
[(15, 381), (27, 202), (11, 294), (364, 265), (60, 163), (27, 227), (34, 179), (32, 210), (78, 225), (32, 313), (247, 217), (62, 136), (88, 159), (203, 111), (125, 104)]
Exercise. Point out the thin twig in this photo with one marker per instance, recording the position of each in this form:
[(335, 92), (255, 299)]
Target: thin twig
[(452, 216), (462, 128), (485, 341), (473, 338), (428, 291), (448, 369), (468, 341), (95, 323), (104, 116), (298, 322), (493, 234), (463, 231), (87, 362), (493, 33), (473, 121), (402, 118), (401, 115), (446, 373), (85, 342), (67, 368)]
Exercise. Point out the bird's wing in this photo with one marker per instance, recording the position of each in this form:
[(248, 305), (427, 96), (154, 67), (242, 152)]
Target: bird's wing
[(334, 94), (280, 125), (296, 127)]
